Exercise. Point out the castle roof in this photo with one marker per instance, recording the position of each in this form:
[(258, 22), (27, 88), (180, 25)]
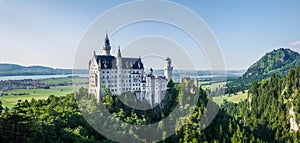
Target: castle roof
[(109, 62)]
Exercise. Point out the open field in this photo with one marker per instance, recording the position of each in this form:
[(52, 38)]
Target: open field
[(75, 80), (212, 86), (220, 99), (233, 98), (11, 100)]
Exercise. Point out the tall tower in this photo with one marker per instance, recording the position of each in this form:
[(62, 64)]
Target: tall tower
[(119, 59), (119, 71), (106, 47), (168, 69)]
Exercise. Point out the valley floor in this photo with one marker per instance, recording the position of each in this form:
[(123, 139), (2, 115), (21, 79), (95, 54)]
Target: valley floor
[(240, 96), (12, 99)]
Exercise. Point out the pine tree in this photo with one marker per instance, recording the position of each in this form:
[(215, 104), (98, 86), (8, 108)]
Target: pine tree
[(1, 108)]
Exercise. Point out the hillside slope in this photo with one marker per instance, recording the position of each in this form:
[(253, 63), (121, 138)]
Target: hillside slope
[(277, 61), (14, 69), (272, 111)]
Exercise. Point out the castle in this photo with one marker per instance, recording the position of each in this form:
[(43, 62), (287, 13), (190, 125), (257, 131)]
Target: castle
[(122, 74)]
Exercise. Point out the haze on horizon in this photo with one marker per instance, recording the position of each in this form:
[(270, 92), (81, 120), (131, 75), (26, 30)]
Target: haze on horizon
[(48, 32)]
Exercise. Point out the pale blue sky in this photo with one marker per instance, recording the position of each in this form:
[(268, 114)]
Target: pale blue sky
[(47, 32)]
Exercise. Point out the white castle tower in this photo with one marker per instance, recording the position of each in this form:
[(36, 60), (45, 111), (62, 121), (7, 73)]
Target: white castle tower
[(168, 69)]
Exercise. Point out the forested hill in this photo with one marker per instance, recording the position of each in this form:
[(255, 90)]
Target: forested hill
[(272, 111), (13, 70), (277, 61)]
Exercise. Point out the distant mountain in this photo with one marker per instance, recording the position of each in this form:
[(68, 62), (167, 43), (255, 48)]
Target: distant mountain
[(277, 61), (14, 70)]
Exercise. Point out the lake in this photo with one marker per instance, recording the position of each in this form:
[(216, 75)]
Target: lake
[(39, 76)]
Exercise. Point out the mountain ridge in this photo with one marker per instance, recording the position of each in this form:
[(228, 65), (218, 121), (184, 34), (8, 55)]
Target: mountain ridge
[(7, 69), (278, 61)]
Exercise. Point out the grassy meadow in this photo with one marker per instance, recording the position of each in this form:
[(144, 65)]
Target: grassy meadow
[(75, 80), (240, 96), (212, 86), (11, 100)]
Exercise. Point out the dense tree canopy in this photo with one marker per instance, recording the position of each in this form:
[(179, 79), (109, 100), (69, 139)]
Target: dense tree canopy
[(264, 117)]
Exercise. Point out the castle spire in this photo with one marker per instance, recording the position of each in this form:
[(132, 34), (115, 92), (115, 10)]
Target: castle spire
[(119, 53), (106, 47), (119, 59)]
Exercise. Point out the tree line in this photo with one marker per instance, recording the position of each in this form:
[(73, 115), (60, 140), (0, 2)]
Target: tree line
[(264, 117)]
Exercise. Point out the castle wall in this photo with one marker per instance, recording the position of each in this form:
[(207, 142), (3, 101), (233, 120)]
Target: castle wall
[(122, 80)]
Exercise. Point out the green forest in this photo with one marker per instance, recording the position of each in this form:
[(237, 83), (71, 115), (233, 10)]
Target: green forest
[(264, 117)]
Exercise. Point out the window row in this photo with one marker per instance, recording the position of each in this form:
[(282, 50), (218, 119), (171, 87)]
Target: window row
[(115, 81), (133, 72), (138, 76), (125, 89), (121, 84)]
